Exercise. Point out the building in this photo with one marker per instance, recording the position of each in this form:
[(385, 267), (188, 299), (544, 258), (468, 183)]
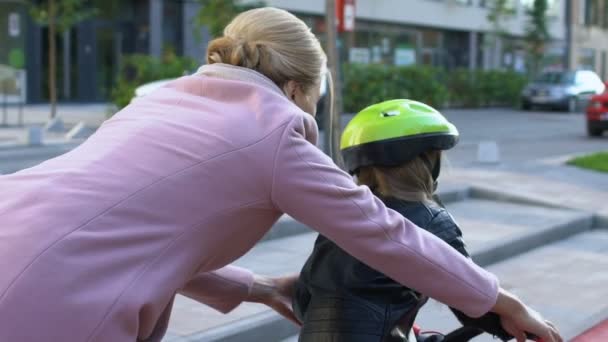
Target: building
[(449, 33), (89, 54), (588, 30), (444, 33)]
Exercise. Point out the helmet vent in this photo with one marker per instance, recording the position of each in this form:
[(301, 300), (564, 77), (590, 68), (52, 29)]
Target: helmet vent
[(390, 113)]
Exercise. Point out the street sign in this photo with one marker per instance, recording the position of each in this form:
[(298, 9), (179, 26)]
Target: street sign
[(14, 25), (345, 15)]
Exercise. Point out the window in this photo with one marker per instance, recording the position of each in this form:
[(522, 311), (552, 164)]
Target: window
[(592, 12), (586, 59), (509, 4), (557, 78), (552, 6)]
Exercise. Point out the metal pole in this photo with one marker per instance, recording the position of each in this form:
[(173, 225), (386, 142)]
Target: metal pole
[(569, 23), (21, 96), (67, 85), (333, 59), (4, 103)]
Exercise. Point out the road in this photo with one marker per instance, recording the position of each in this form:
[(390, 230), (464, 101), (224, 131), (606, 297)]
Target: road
[(521, 137)]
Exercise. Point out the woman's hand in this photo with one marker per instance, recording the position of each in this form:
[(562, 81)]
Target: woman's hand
[(518, 319), (276, 293)]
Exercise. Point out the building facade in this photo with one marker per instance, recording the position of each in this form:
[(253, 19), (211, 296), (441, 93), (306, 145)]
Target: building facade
[(447, 33), (89, 54), (588, 26), (443, 33)]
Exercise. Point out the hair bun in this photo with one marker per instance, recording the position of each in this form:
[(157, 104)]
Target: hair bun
[(233, 51)]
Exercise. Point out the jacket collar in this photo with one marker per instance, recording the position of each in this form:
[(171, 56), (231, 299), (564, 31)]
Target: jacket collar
[(231, 72)]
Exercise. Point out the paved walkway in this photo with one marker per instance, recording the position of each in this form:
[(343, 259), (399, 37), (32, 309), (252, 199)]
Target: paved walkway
[(38, 115), (565, 186), (561, 280), (485, 223)]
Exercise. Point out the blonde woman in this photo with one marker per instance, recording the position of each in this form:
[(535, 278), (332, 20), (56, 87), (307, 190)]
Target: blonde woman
[(95, 244)]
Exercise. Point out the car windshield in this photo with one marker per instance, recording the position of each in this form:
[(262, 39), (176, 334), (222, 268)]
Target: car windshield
[(556, 78)]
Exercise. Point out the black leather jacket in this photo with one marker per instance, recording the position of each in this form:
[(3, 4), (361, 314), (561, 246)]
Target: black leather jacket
[(339, 299)]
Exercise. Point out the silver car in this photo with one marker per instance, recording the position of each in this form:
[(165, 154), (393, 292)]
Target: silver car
[(564, 90)]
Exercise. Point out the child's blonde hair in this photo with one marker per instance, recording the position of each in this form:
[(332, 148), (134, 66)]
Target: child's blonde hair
[(411, 181)]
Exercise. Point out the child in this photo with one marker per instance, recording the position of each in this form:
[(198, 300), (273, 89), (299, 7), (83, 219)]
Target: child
[(394, 148)]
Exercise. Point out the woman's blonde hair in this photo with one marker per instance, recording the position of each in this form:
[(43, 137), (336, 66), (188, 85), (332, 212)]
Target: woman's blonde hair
[(411, 181), (273, 42)]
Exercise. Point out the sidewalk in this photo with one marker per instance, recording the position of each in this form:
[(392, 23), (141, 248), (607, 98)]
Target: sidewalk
[(494, 231), (560, 185), (12, 133)]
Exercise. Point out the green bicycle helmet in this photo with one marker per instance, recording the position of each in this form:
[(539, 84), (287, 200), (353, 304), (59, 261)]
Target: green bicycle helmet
[(394, 132)]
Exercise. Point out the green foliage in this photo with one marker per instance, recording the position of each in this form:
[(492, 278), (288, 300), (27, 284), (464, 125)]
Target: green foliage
[(216, 14), (137, 69), (498, 12), (596, 162), (368, 84), (537, 34), (67, 13)]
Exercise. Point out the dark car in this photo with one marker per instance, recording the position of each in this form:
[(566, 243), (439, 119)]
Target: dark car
[(563, 90), (597, 114)]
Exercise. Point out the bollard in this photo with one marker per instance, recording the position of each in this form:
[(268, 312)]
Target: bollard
[(488, 152), (35, 136)]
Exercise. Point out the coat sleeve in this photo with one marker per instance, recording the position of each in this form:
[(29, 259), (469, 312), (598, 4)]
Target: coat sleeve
[(308, 186), (222, 289)]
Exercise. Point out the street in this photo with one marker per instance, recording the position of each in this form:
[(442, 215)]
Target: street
[(522, 137)]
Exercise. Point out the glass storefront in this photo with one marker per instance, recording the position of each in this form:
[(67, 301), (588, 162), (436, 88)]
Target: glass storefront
[(586, 59), (395, 44)]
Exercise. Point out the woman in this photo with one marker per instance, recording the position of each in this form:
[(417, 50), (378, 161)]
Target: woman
[(95, 244)]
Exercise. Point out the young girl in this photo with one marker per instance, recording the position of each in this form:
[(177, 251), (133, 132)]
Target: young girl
[(394, 148)]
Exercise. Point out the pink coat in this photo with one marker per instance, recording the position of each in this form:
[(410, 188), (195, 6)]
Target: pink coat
[(95, 244)]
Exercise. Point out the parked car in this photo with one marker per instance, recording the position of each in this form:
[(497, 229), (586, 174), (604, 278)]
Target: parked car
[(597, 114), (563, 90), (148, 88)]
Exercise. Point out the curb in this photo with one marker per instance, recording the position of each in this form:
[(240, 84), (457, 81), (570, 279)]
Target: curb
[(526, 243), (254, 328), (600, 222), (498, 196), (45, 151), (597, 319)]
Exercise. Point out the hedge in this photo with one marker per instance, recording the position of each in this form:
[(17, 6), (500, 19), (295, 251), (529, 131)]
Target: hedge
[(368, 84)]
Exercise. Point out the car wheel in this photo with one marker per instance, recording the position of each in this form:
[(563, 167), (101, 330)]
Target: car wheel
[(572, 105), (594, 132), (525, 105)]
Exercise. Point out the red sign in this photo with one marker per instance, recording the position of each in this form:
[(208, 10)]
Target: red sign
[(345, 15)]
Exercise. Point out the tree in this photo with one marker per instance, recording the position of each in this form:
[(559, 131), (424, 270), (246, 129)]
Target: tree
[(59, 16), (216, 14), (537, 34), (499, 11)]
